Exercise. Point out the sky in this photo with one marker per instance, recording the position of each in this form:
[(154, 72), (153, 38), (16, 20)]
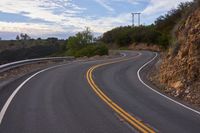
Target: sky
[(64, 18)]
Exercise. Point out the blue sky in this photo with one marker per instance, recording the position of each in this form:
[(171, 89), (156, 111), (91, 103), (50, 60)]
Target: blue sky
[(62, 18)]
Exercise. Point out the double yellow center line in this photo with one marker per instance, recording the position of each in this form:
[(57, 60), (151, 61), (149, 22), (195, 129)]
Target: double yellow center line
[(121, 112)]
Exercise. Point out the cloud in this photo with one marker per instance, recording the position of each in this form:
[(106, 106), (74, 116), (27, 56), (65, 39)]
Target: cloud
[(54, 12), (161, 6), (64, 16), (133, 2), (105, 4), (69, 24), (41, 9), (32, 28), (68, 20)]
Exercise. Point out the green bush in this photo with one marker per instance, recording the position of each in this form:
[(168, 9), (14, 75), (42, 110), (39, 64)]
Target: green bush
[(124, 36), (83, 44), (92, 50), (163, 41)]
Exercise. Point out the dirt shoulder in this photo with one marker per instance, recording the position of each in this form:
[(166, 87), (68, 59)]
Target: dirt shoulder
[(143, 46)]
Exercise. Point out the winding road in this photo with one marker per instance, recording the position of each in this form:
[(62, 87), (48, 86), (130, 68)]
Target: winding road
[(103, 96)]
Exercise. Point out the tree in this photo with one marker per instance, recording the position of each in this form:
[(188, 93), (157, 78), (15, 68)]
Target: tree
[(17, 38), (25, 36), (39, 39), (52, 39), (83, 44), (167, 22), (80, 40)]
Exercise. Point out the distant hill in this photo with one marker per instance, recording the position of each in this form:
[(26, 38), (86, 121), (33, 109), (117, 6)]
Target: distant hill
[(14, 50)]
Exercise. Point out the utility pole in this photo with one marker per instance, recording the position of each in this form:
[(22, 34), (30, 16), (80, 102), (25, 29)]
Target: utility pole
[(139, 19), (133, 18)]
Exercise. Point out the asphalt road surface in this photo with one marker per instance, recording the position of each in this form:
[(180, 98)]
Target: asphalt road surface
[(85, 97)]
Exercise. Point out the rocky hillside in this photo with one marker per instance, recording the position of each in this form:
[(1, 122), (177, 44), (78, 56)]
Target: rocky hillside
[(180, 68)]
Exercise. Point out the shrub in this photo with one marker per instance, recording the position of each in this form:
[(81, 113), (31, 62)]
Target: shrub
[(92, 50), (82, 44), (163, 41), (124, 36)]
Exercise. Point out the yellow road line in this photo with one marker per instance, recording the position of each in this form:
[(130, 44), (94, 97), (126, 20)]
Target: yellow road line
[(126, 116)]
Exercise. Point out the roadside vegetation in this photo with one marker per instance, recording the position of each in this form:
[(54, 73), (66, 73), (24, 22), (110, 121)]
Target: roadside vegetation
[(84, 44), (125, 36), (26, 48), (161, 33)]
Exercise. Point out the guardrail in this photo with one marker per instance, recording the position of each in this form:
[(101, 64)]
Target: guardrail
[(12, 65)]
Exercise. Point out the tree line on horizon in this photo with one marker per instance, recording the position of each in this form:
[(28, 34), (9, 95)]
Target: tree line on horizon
[(25, 47)]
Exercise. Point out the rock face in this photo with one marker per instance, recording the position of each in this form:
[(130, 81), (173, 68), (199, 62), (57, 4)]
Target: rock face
[(180, 70)]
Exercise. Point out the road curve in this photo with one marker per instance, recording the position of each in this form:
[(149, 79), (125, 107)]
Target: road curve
[(61, 100)]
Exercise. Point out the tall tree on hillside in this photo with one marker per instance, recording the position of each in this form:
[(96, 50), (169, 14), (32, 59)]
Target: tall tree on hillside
[(25, 36), (80, 39), (17, 38)]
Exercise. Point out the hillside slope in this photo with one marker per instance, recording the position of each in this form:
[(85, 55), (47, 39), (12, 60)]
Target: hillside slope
[(180, 68)]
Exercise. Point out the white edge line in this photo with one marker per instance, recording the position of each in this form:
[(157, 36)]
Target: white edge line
[(138, 74), (6, 105)]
